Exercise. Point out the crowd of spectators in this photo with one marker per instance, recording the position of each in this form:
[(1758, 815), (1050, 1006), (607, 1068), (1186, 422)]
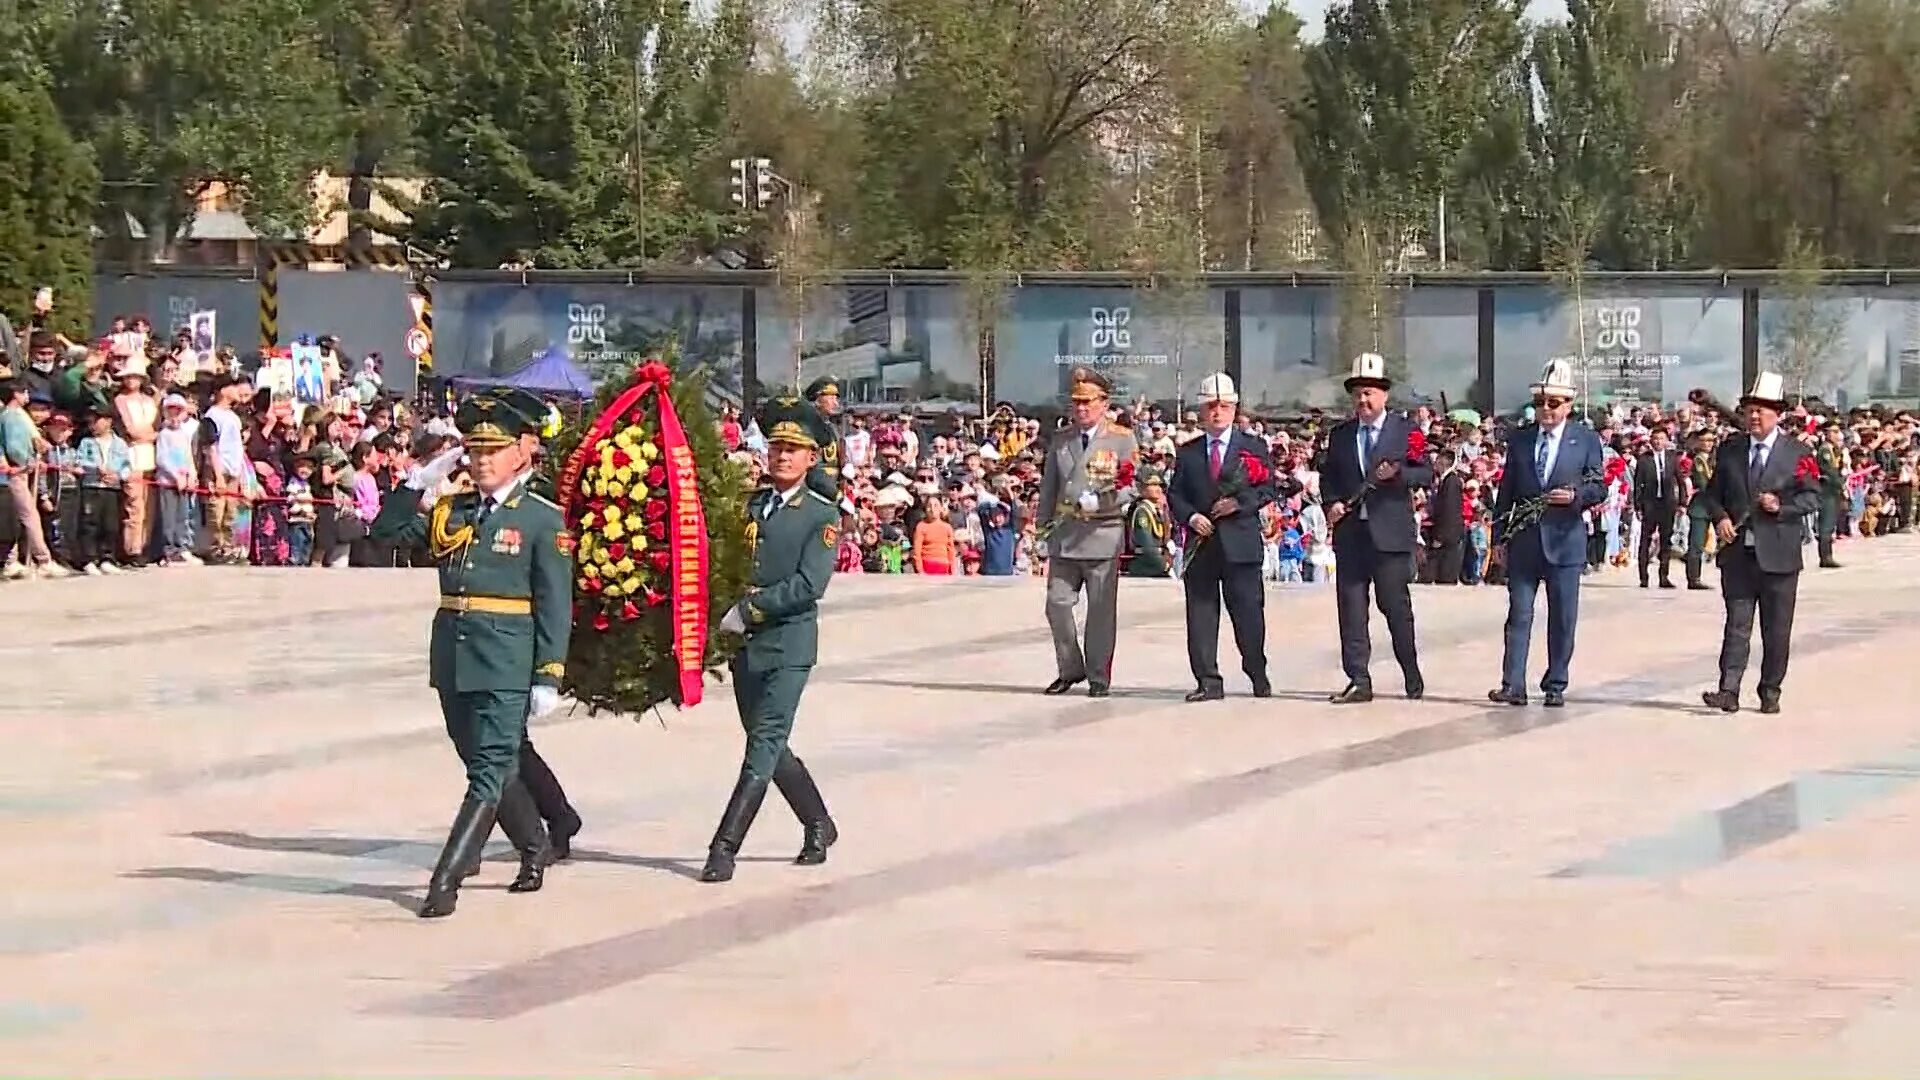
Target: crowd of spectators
[(141, 451)]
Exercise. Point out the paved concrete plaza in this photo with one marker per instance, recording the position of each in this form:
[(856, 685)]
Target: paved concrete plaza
[(225, 788)]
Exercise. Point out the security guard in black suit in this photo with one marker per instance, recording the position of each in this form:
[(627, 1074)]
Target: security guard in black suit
[(795, 531), (499, 643)]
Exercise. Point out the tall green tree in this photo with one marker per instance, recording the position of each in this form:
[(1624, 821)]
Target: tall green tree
[(173, 95), (1398, 92), (47, 195)]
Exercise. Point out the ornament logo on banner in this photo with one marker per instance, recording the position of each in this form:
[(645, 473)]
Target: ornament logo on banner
[(1110, 342), (1618, 367)]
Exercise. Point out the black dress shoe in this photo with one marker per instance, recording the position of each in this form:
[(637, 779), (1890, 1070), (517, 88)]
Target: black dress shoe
[(1829, 564), (1356, 693), (1503, 696), (1416, 689), (1643, 583), (1554, 699), (1262, 688), (1061, 686), (1668, 585), (1699, 586), (1725, 700), (819, 836), (560, 836), (1207, 693), (1770, 704), (1099, 689)]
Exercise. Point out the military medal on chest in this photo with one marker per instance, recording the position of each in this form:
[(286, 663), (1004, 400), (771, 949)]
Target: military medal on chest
[(506, 542)]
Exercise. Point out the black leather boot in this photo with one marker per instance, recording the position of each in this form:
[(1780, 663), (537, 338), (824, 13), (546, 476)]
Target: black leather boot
[(520, 820), (742, 805), (470, 831), (796, 784)]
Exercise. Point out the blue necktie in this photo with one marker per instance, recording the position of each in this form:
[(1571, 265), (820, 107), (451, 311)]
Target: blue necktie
[(1540, 457), (1366, 448)]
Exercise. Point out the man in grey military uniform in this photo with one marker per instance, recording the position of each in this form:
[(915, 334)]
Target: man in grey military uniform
[(1085, 508)]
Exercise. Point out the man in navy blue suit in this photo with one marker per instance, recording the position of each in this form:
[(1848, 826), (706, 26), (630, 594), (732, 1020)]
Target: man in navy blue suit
[(1226, 529), (1555, 462), (1367, 477)]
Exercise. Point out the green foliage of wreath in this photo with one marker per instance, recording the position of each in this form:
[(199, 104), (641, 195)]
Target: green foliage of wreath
[(629, 667)]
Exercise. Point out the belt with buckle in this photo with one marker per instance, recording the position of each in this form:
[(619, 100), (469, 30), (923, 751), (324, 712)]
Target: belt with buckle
[(492, 605)]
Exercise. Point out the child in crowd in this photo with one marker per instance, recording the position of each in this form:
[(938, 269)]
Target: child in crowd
[(301, 512), (1479, 540), (60, 488), (104, 465), (1293, 550), (176, 475)]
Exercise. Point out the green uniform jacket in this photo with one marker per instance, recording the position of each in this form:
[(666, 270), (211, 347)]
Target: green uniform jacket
[(825, 476), (1698, 477), (1833, 474), (506, 588), (1147, 538), (793, 557)]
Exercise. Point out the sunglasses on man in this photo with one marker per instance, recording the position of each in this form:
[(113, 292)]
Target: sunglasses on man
[(1551, 402)]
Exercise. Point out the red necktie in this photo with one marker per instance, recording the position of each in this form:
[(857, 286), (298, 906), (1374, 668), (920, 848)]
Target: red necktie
[(1215, 451)]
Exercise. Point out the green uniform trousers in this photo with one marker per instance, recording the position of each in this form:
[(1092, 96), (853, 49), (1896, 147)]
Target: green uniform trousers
[(767, 701), (1828, 521), (487, 728), (1697, 529)]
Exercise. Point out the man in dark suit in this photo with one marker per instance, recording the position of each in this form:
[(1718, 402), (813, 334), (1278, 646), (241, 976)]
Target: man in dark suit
[(1367, 477), (1656, 498), (1447, 529), (1758, 500), (1225, 555), (1540, 534)]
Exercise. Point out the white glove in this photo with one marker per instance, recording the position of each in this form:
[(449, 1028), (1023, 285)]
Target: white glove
[(430, 476), (732, 623), (1089, 502), (542, 700)]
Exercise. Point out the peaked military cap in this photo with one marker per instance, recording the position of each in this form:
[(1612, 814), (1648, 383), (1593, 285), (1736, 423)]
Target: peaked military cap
[(1089, 385), (794, 422), (825, 384), (496, 418)]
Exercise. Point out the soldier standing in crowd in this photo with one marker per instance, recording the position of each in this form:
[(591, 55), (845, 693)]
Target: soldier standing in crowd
[(1148, 529), (1833, 488), (1699, 523), (795, 534), (828, 476), (1367, 479), (1083, 505), (499, 643), (1759, 499)]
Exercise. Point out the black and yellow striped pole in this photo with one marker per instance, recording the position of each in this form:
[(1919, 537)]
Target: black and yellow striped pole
[(269, 300), (420, 337)]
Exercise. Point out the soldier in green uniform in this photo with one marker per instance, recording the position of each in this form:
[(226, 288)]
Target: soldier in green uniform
[(794, 531), (827, 477), (1699, 522), (499, 641), (1147, 529), (1833, 488)]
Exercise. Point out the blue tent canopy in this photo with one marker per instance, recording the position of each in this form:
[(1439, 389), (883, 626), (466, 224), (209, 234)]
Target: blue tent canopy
[(550, 373)]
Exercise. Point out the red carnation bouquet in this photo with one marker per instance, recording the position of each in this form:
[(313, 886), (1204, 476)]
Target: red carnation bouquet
[(1246, 473), (1416, 455), (1807, 471)]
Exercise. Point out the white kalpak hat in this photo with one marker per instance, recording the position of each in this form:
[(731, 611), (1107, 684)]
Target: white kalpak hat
[(1218, 388), (1556, 379), (1369, 369), (1770, 390)]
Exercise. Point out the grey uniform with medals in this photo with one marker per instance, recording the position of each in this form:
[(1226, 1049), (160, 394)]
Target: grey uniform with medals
[(1083, 551)]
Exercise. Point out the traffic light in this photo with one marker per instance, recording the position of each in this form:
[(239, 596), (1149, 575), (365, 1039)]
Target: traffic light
[(762, 182), (742, 181)]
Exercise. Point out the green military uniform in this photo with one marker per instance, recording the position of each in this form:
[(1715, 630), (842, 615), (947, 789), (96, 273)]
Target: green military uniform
[(1833, 489), (826, 477), (504, 618), (1699, 519), (794, 535), (1147, 530)]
